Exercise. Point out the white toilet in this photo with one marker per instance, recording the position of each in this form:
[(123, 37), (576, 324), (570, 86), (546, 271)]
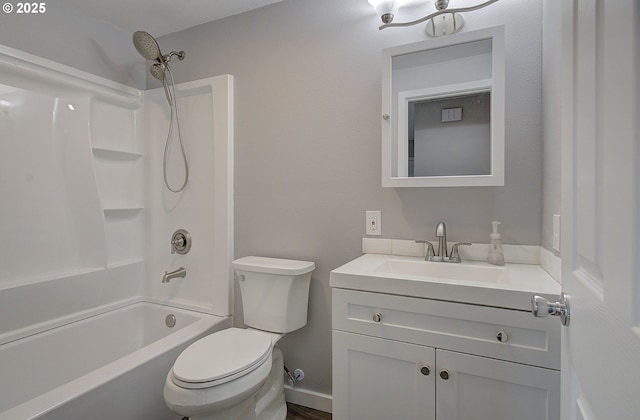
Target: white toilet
[(237, 374)]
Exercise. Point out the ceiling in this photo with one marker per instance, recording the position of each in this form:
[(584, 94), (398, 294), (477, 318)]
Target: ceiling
[(161, 17)]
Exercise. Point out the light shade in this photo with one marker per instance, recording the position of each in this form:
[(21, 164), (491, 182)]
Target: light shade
[(446, 24), (386, 9)]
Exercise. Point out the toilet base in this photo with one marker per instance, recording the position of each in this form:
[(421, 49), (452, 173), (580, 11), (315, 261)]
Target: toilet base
[(266, 404)]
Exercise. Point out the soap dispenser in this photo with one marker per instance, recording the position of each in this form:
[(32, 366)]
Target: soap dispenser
[(495, 257)]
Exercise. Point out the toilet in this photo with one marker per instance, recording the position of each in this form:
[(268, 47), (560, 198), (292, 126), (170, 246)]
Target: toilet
[(237, 373)]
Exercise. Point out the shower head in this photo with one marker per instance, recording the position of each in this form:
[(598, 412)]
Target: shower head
[(147, 46), (149, 49)]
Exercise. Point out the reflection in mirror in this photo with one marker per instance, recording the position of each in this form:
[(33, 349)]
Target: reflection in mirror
[(449, 136)]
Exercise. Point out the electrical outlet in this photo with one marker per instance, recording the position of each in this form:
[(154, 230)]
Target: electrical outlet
[(373, 222), (556, 232)]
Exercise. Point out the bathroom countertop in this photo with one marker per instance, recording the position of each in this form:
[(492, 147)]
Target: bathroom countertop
[(513, 290)]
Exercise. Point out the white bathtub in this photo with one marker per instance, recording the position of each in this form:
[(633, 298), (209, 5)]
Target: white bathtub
[(109, 366)]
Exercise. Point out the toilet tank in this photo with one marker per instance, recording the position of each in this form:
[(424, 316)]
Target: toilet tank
[(275, 292)]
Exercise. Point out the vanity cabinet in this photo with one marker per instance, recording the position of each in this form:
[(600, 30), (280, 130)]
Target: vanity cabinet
[(398, 357)]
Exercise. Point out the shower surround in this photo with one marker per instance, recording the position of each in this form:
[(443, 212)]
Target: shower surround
[(84, 209)]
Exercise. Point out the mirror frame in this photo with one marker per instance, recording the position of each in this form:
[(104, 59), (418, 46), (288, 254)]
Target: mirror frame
[(497, 119)]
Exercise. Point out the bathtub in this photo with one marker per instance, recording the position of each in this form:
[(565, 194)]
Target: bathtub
[(109, 366)]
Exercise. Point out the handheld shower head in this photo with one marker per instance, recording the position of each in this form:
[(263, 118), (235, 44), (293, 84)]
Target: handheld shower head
[(147, 46), (157, 71)]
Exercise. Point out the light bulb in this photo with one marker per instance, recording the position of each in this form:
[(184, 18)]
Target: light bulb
[(386, 9)]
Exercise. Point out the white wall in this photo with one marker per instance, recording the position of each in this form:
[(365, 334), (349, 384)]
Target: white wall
[(307, 132)]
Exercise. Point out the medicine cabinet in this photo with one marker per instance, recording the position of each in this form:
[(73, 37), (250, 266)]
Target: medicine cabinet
[(443, 111)]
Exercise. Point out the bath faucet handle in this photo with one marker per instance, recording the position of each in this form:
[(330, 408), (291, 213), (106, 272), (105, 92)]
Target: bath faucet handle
[(180, 242), (430, 250), (455, 254)]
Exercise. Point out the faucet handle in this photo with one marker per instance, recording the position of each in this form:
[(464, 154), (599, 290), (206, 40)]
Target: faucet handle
[(430, 251), (455, 255)]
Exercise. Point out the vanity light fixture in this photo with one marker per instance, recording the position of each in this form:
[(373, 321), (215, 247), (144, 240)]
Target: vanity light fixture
[(442, 22)]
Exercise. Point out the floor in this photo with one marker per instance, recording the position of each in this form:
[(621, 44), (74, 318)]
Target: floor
[(298, 412)]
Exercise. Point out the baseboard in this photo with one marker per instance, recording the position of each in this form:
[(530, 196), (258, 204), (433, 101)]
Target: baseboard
[(308, 398)]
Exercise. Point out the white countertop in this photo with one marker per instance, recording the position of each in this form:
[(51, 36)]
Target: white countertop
[(513, 290)]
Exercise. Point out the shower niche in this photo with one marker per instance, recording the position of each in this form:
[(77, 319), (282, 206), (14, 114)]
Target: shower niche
[(119, 167), (443, 105)]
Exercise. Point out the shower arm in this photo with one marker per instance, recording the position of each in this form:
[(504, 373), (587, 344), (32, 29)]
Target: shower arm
[(163, 59)]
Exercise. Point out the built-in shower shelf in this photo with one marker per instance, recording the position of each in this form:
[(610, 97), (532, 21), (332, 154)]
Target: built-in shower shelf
[(124, 211), (124, 263), (113, 154)]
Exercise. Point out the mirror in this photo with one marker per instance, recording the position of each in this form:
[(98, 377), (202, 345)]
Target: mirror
[(443, 105)]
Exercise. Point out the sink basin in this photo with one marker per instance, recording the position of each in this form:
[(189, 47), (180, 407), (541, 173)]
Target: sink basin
[(439, 270)]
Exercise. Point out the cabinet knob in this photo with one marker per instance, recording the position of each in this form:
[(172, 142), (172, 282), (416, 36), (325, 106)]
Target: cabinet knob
[(425, 370), (502, 336), (377, 317), (444, 374)]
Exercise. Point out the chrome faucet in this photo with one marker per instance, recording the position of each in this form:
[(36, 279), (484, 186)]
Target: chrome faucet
[(180, 272), (442, 254), (441, 233)]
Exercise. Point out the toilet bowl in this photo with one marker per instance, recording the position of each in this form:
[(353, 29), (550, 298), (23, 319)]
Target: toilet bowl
[(238, 364), (237, 373)]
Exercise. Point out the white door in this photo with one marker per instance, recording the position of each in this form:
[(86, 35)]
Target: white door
[(601, 215)]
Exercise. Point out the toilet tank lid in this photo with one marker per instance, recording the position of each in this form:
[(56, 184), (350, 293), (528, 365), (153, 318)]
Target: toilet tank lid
[(273, 265)]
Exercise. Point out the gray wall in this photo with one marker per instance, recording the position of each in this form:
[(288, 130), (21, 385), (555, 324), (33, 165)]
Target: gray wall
[(307, 142), (552, 97), (74, 39)]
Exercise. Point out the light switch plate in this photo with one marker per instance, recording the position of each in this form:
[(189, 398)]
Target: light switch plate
[(451, 114)]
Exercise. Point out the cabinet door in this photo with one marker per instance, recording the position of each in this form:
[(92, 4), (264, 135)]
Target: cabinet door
[(374, 378), (478, 388)]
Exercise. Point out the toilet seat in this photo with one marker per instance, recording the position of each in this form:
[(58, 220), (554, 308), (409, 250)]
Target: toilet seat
[(221, 357)]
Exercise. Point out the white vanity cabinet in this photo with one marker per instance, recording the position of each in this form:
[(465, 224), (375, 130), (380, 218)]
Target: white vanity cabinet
[(399, 357)]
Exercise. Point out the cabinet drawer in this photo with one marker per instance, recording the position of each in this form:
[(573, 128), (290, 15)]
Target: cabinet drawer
[(452, 326)]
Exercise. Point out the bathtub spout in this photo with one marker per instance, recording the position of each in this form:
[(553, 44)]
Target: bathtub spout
[(180, 272)]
